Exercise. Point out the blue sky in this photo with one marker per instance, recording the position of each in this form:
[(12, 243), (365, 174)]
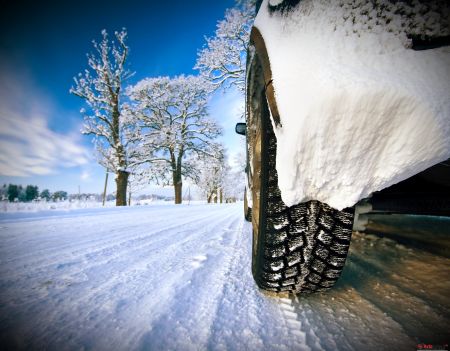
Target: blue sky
[(43, 45)]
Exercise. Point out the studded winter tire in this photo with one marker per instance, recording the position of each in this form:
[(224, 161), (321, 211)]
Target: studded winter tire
[(298, 249)]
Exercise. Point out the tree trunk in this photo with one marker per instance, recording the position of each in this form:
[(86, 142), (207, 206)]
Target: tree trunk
[(178, 186), (177, 179), (178, 192), (221, 195), (121, 193)]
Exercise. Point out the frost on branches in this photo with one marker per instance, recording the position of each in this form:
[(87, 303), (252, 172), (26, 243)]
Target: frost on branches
[(212, 177), (222, 61), (101, 87), (172, 127), (216, 180), (138, 179)]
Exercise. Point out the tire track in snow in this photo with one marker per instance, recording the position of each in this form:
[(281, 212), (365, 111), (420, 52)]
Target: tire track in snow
[(295, 325), (245, 318), (236, 303), (185, 323)]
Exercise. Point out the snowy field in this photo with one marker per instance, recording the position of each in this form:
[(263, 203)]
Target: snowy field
[(39, 206), (178, 278)]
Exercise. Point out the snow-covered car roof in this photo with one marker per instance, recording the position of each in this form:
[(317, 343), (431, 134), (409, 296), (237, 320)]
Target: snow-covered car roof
[(360, 110)]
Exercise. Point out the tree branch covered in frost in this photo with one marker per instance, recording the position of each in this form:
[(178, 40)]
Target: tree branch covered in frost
[(101, 87), (222, 61), (172, 125)]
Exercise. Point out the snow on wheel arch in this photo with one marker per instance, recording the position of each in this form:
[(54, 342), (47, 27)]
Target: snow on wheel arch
[(359, 110)]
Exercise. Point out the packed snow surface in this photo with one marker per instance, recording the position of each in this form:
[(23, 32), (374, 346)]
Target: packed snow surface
[(179, 278), (360, 110)]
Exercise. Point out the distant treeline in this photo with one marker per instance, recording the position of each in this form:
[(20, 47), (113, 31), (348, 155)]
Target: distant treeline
[(18, 193), (14, 192)]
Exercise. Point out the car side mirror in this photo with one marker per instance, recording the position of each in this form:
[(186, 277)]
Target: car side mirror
[(240, 128)]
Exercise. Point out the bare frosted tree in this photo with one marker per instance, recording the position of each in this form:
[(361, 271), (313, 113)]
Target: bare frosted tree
[(212, 176), (218, 180), (222, 61), (101, 87), (138, 179), (234, 184), (173, 127)]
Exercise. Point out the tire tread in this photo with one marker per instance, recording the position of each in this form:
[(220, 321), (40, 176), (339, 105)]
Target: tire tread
[(305, 245)]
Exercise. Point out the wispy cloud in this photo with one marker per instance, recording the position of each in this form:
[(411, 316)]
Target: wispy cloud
[(27, 145), (85, 175)]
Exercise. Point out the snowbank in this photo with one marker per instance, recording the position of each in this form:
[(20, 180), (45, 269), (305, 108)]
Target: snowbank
[(359, 109)]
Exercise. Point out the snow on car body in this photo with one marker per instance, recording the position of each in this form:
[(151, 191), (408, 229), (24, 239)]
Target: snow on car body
[(359, 109), (354, 107)]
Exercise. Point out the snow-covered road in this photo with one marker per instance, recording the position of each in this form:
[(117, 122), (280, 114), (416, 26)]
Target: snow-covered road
[(178, 277)]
